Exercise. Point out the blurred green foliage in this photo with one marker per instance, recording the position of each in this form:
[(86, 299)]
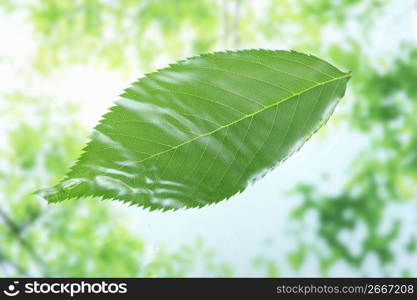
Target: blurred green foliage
[(134, 35), (119, 34)]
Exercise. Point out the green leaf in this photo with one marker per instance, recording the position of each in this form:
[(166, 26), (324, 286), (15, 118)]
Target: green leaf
[(200, 130)]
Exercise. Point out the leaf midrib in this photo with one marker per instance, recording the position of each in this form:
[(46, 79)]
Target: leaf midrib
[(247, 116)]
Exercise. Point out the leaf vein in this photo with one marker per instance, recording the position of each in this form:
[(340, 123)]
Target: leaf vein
[(249, 115)]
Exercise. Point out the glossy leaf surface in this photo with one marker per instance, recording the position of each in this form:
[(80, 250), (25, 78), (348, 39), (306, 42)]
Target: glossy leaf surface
[(200, 130)]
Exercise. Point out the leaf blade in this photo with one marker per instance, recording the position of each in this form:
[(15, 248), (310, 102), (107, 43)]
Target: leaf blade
[(193, 134)]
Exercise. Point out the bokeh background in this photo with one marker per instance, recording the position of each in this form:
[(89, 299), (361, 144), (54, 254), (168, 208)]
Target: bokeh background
[(345, 205)]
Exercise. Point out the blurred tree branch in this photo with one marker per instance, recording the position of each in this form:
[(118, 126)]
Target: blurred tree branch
[(17, 231)]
